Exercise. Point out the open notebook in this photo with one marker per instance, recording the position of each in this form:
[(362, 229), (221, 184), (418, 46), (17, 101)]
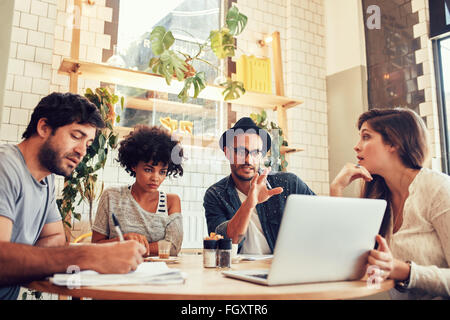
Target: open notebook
[(146, 273)]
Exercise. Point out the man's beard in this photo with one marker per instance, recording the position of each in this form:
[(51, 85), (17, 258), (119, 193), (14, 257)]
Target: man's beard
[(235, 168), (52, 161)]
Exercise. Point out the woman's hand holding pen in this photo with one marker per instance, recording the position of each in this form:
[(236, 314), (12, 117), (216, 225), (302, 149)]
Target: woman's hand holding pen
[(139, 238)]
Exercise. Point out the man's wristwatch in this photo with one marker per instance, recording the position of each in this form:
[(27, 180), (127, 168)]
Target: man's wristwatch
[(402, 285)]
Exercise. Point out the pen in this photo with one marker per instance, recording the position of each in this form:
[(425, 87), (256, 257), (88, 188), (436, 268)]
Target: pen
[(260, 171), (117, 227)]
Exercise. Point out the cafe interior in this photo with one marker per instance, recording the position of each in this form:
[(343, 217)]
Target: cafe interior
[(307, 67)]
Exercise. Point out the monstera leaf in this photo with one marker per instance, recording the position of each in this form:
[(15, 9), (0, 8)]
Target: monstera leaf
[(199, 83), (233, 90), (236, 21), (161, 40), (222, 43), (169, 65)]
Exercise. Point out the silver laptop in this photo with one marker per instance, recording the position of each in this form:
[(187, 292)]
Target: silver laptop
[(321, 239)]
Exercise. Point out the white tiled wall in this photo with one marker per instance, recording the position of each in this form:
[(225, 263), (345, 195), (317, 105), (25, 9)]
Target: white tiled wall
[(301, 27), (427, 109), (41, 39), (29, 67)]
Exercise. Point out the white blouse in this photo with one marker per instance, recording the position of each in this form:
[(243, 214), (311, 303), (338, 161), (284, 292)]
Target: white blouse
[(424, 237)]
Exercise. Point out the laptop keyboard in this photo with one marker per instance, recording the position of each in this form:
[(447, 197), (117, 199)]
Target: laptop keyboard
[(260, 275)]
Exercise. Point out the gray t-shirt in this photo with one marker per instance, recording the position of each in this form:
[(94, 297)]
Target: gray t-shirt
[(29, 204), (154, 226)]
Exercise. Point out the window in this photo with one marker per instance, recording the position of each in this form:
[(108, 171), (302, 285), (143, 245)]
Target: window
[(442, 58), (440, 30), (190, 22), (439, 17)]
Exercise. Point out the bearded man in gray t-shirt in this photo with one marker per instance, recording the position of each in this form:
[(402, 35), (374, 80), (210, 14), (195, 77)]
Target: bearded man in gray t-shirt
[(61, 129)]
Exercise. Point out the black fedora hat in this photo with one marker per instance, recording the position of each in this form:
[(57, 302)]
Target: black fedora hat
[(246, 125)]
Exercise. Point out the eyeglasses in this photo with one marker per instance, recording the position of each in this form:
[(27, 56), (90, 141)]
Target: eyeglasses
[(244, 152)]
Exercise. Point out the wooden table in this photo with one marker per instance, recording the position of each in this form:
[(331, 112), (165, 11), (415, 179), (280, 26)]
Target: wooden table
[(210, 284)]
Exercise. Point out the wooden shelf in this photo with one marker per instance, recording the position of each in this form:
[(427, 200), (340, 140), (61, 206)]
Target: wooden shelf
[(155, 82), (190, 140), (185, 139), (149, 81), (167, 106)]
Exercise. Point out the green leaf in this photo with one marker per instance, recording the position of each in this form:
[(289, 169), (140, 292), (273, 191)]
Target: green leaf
[(168, 65), (263, 115), (101, 156), (114, 99), (233, 90), (236, 21), (101, 140), (161, 40), (154, 62), (77, 216), (222, 43), (173, 64), (199, 83), (109, 125)]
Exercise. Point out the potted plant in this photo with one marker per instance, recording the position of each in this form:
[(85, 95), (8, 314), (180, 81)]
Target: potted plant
[(179, 65), (84, 178)]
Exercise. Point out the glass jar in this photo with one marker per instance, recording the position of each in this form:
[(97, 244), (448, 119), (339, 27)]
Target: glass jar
[(209, 253), (224, 253)]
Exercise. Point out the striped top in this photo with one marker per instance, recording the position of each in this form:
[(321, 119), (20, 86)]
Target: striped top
[(162, 202), (132, 217)]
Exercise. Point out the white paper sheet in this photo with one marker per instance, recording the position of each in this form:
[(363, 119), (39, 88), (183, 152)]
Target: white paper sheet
[(146, 273)]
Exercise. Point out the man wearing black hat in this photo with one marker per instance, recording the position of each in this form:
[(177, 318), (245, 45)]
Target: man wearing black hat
[(247, 206)]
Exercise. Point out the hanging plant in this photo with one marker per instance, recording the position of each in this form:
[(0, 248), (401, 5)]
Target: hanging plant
[(179, 65), (83, 180)]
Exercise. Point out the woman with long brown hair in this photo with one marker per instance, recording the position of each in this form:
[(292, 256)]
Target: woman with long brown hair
[(414, 241)]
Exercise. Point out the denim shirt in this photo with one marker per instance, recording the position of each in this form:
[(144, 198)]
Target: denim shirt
[(221, 202)]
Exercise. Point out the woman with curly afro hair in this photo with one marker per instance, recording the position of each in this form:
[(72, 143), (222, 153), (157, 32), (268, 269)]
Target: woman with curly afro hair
[(147, 215)]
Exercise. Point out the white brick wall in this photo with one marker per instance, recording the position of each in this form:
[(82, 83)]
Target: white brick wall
[(301, 28), (427, 109), (29, 66)]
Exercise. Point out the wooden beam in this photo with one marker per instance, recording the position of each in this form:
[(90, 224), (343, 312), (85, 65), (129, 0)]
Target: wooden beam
[(277, 64), (279, 82), (75, 44)]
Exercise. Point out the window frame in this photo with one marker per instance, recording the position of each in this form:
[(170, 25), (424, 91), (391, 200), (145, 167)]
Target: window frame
[(222, 114), (443, 106)]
